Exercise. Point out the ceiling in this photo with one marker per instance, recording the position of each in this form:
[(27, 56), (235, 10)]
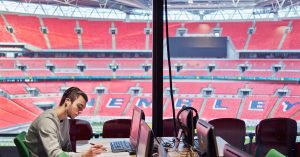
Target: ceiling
[(128, 5)]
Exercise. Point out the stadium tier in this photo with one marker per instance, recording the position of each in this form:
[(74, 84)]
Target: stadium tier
[(267, 30), (61, 36), (238, 37), (220, 108), (117, 98), (28, 67), (291, 41), (131, 35), (96, 34), (27, 30)]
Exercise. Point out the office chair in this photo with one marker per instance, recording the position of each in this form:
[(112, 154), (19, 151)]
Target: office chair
[(22, 148), (116, 128), (274, 153), (231, 151), (79, 130), (232, 130), (168, 127), (276, 133)]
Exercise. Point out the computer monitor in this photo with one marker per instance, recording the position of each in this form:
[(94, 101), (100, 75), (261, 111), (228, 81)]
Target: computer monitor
[(145, 143), (137, 116), (207, 139), (231, 151), (186, 121)]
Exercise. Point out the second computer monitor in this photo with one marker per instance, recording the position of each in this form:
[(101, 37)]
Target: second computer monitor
[(186, 120), (137, 116), (207, 139), (145, 143)]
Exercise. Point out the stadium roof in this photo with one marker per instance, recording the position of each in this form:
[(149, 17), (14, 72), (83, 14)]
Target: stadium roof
[(142, 9), (172, 4)]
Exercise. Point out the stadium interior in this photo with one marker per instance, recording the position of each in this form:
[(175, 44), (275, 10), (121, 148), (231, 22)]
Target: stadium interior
[(105, 48)]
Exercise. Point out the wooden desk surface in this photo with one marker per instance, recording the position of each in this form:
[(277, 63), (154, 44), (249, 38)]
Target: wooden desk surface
[(172, 152), (84, 145)]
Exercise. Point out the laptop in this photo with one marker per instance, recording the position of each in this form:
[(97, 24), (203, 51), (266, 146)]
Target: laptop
[(145, 142), (131, 145)]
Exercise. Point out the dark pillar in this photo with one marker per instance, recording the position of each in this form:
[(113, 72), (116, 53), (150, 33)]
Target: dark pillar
[(157, 63)]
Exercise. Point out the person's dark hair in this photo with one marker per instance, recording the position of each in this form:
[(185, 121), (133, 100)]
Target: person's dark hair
[(73, 93)]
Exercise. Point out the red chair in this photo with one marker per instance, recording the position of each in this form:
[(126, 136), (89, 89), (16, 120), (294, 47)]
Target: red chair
[(168, 127), (276, 133), (231, 151), (232, 130), (79, 130), (116, 128)]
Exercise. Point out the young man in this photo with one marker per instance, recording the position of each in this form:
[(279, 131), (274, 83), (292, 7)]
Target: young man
[(48, 134)]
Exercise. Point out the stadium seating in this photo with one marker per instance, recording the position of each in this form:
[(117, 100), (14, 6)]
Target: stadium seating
[(58, 34), (38, 72), (288, 106), (181, 101), (264, 89), (33, 63), (190, 88), (291, 41), (225, 72), (131, 63), (130, 35), (5, 36), (7, 63), (11, 73), (27, 30), (238, 37), (221, 108), (229, 88), (14, 88), (291, 64), (265, 64), (113, 104), (96, 34), (294, 89), (258, 73), (200, 28), (272, 30), (228, 64), (257, 107), (13, 108), (96, 63), (47, 87), (287, 74)]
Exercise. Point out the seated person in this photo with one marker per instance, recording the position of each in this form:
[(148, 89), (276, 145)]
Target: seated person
[(48, 134)]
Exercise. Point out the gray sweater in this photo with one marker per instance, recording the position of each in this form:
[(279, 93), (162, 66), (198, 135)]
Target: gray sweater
[(49, 137)]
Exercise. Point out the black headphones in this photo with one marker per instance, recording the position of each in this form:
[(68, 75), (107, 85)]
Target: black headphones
[(187, 108)]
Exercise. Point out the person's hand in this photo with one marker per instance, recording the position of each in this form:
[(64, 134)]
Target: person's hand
[(93, 151)]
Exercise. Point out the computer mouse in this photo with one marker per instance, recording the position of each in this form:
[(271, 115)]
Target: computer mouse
[(155, 148), (132, 152)]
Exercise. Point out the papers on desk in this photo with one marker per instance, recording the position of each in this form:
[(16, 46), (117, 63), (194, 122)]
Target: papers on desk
[(82, 146)]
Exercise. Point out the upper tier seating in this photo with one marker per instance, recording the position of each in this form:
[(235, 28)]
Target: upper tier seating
[(292, 39), (27, 30), (238, 37), (5, 36), (130, 35), (96, 34), (267, 35), (61, 33)]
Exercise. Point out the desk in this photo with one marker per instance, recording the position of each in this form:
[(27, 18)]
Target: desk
[(181, 152), (85, 145), (187, 152)]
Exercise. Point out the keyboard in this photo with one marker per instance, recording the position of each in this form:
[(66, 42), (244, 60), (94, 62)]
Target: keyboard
[(121, 146), (196, 144)]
